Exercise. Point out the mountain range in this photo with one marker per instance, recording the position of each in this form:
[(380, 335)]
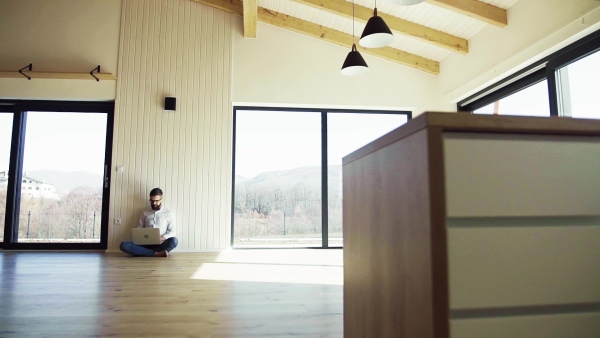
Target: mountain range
[(284, 179)]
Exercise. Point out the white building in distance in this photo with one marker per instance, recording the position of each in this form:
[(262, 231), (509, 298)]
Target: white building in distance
[(31, 187)]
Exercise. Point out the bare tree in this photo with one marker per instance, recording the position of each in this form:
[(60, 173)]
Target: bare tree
[(79, 207)]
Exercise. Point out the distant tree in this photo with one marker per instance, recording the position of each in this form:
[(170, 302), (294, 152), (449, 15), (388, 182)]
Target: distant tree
[(257, 200), (283, 211), (285, 202), (76, 215), (335, 214), (53, 224), (79, 207), (240, 198), (27, 208), (35, 219), (3, 189)]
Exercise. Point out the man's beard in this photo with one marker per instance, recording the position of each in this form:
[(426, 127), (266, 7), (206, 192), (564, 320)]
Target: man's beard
[(156, 207)]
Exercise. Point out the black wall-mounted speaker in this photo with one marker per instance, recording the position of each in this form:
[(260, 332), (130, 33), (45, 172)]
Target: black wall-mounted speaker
[(170, 103)]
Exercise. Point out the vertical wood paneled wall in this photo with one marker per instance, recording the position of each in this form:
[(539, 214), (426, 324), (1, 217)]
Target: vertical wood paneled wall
[(182, 49)]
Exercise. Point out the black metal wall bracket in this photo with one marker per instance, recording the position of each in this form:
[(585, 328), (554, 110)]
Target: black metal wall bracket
[(97, 69), (30, 66)]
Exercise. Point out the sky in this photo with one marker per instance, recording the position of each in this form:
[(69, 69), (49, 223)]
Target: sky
[(532, 101), (270, 140), (583, 78), (58, 141)]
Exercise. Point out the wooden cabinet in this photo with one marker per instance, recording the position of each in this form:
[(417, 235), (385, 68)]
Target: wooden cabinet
[(459, 225)]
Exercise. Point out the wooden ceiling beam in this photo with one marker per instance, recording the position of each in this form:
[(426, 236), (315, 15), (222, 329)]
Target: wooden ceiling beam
[(327, 34), (476, 9), (250, 16), (397, 25)]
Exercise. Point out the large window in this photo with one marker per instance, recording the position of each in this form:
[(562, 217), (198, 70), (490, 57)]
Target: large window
[(277, 179), (561, 84), (56, 183), (283, 196), (62, 177)]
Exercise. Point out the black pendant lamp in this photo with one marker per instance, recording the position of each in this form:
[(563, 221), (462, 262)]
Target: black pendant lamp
[(376, 34), (354, 63)]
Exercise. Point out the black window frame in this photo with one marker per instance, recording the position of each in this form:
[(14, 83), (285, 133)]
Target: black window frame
[(544, 69), (19, 108), (324, 160)]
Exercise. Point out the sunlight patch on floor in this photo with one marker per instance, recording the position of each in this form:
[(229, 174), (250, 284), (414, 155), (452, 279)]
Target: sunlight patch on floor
[(275, 266)]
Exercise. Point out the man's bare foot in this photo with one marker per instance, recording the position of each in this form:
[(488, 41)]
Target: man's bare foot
[(162, 254)]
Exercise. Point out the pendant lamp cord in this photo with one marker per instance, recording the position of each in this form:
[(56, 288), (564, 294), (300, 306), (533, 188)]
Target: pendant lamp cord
[(353, 39)]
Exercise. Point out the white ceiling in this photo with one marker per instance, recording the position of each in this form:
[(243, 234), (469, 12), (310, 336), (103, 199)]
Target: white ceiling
[(424, 34)]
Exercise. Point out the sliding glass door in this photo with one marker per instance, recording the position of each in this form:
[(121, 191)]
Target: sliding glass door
[(57, 198), (277, 179), (288, 172), (62, 177)]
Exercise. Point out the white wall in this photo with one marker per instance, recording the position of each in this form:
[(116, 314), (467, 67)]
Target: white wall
[(59, 36), (536, 28), (284, 68), (182, 49)]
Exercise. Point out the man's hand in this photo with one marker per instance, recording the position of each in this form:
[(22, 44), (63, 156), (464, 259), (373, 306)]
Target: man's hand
[(162, 239)]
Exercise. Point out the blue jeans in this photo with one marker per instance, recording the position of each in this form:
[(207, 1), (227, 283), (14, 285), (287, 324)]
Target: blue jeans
[(148, 250)]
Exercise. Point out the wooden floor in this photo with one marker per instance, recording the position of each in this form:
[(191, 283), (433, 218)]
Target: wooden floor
[(238, 293)]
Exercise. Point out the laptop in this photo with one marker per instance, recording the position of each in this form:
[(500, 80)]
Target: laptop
[(145, 236)]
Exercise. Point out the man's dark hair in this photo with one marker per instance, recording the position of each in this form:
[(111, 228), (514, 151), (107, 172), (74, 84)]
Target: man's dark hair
[(156, 192)]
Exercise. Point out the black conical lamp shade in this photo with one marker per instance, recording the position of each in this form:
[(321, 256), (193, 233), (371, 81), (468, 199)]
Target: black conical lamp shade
[(376, 34), (354, 63)]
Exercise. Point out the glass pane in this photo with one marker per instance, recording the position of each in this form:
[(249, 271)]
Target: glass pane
[(580, 88), (531, 101), (347, 132), (277, 198), (6, 120), (61, 188)]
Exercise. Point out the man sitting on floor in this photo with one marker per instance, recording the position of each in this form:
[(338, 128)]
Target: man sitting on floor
[(158, 217)]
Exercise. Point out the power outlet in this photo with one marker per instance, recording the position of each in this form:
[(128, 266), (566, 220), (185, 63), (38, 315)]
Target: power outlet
[(117, 221)]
